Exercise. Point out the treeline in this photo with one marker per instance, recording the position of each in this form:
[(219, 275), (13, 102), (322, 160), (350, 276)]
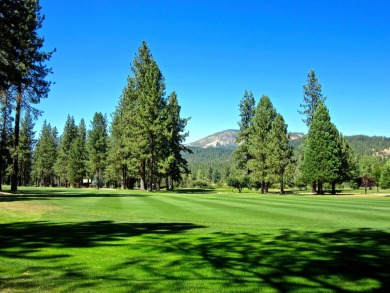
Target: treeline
[(208, 166), (142, 147), (323, 160)]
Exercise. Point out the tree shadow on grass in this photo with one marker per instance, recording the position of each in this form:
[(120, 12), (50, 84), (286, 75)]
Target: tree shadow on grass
[(41, 194), (32, 236), (169, 259), (341, 261)]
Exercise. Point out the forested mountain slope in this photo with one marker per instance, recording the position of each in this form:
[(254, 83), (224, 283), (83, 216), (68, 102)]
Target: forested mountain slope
[(213, 155)]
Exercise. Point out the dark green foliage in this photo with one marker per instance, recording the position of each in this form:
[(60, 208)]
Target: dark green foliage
[(172, 163), (45, 154), (6, 136), (258, 140), (312, 98), (369, 145), (280, 152), (322, 158), (25, 149), (247, 111), (97, 146), (68, 136), (23, 67), (384, 178), (219, 159), (77, 157), (147, 133), (235, 183)]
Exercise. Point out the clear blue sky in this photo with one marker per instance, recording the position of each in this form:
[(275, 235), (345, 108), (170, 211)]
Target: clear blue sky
[(211, 51)]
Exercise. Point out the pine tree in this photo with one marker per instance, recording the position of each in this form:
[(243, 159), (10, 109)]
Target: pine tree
[(150, 90), (312, 98), (247, 111), (23, 67), (280, 153), (69, 135), (45, 153), (6, 136), (175, 137), (25, 150), (322, 159), (77, 157), (258, 140), (97, 146)]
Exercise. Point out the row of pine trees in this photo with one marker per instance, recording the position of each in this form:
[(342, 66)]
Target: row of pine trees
[(325, 159), (142, 146)]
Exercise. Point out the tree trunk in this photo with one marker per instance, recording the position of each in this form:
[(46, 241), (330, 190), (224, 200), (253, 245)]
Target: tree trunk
[(151, 179), (142, 176), (98, 178), (123, 182), (319, 187), (333, 188), (282, 185), (171, 187), (262, 187), (15, 163), (314, 187)]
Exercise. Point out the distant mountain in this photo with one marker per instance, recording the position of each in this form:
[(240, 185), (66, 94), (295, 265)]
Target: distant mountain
[(227, 138), (224, 138)]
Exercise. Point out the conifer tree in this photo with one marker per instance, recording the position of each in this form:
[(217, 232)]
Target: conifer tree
[(258, 140), (322, 159), (25, 150), (78, 157), (5, 135), (23, 67), (45, 153), (150, 90), (280, 152), (175, 136), (312, 98), (247, 111), (97, 146), (69, 135)]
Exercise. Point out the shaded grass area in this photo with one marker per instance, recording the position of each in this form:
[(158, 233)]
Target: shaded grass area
[(168, 242)]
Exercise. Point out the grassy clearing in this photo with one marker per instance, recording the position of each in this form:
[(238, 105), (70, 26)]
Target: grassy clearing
[(62, 240)]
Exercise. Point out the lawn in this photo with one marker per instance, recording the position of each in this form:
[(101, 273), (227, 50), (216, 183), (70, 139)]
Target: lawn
[(68, 240)]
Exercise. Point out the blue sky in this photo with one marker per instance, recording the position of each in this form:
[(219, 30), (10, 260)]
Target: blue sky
[(211, 51)]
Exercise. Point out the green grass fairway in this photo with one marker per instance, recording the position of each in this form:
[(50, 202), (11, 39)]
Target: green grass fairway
[(68, 240)]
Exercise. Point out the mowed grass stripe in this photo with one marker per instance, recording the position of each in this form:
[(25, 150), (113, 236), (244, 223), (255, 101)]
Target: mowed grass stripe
[(269, 210), (220, 213)]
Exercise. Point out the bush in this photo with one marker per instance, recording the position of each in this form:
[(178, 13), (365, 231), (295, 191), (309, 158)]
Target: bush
[(200, 184)]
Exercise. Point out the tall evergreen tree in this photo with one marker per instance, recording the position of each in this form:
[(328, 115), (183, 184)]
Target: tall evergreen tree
[(322, 159), (45, 153), (312, 98), (258, 140), (148, 85), (78, 157), (97, 145), (280, 152), (175, 135), (22, 61), (247, 111), (151, 90), (5, 135), (69, 135), (25, 150)]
